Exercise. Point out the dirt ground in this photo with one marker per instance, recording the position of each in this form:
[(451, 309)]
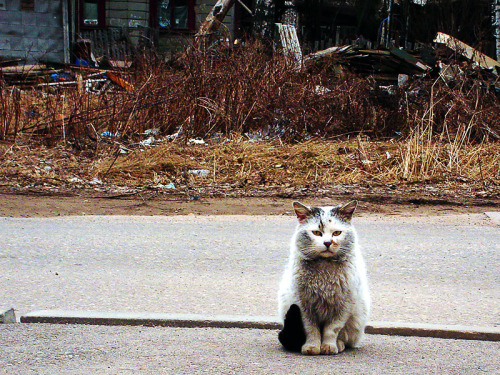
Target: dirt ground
[(28, 204), (37, 181)]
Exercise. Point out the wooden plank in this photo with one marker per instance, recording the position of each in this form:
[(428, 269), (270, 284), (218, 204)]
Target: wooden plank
[(467, 51), (291, 45), (412, 60)]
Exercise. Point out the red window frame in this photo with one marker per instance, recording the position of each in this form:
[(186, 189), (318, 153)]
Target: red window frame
[(154, 17), (101, 15)]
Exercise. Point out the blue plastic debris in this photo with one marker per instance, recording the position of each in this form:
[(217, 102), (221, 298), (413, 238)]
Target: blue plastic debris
[(109, 134)]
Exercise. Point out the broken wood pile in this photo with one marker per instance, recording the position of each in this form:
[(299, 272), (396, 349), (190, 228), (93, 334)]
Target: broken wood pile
[(39, 76), (382, 64), (389, 65), (27, 75)]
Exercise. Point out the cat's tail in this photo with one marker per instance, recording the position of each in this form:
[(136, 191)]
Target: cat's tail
[(293, 335)]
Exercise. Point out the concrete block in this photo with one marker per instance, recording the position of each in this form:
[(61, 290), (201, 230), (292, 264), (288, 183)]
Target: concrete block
[(8, 316)]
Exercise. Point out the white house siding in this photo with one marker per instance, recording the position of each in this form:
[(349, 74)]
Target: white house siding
[(133, 13), (32, 34), (127, 13)]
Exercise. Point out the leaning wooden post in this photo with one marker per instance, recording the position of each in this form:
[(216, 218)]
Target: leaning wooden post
[(210, 26)]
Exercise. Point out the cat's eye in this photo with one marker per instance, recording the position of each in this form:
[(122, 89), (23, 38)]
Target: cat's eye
[(337, 233), (317, 233)]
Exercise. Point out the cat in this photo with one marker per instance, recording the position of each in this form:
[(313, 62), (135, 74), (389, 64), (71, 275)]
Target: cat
[(324, 301)]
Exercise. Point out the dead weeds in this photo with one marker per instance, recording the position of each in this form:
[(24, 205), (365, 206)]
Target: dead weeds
[(242, 168), (268, 131), (244, 163)]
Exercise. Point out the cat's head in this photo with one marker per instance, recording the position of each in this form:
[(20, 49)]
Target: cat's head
[(325, 232)]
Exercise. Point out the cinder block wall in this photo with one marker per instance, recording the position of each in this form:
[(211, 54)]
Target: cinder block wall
[(33, 34)]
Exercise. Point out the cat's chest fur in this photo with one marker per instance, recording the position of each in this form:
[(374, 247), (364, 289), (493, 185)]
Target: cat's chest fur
[(323, 288)]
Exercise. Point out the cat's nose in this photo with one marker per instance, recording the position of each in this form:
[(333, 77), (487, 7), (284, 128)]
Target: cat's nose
[(327, 243)]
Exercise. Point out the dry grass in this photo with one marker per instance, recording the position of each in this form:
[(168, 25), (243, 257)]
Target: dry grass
[(316, 124), (313, 163)]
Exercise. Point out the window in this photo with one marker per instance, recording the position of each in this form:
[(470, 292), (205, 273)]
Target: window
[(175, 14), (92, 13), (27, 5)]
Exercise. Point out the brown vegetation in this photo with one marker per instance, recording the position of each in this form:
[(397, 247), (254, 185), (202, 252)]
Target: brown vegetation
[(264, 125)]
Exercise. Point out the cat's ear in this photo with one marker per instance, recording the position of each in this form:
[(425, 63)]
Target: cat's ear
[(345, 212), (302, 212)]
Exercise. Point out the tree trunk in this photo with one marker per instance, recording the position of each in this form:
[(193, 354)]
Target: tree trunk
[(208, 29)]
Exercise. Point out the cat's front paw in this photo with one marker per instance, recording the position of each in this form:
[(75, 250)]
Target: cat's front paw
[(340, 345), (331, 348), (310, 349)]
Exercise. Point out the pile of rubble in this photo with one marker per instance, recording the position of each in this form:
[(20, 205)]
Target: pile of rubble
[(96, 80)]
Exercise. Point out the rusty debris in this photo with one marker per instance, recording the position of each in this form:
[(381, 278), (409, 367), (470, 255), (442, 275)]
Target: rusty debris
[(42, 75)]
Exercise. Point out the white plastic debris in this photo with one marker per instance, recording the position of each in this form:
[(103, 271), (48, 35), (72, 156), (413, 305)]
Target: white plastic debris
[(147, 142), (194, 141), (321, 90), (168, 186), (172, 137), (151, 131), (199, 172), (96, 181)]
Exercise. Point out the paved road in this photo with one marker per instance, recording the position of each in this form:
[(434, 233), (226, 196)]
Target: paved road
[(430, 270), (58, 349)]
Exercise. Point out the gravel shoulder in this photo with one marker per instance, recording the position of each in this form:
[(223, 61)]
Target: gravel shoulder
[(36, 205)]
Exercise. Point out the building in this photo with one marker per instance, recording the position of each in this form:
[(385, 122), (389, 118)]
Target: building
[(47, 30)]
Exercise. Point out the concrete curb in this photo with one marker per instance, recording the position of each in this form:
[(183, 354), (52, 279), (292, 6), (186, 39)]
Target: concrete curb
[(255, 322), (150, 319), (7, 316), (434, 330)]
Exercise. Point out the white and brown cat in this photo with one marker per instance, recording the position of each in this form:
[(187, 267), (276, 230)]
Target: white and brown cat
[(324, 300)]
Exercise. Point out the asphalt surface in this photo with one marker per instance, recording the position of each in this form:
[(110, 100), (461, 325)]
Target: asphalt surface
[(424, 270), (439, 270), (76, 349)]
